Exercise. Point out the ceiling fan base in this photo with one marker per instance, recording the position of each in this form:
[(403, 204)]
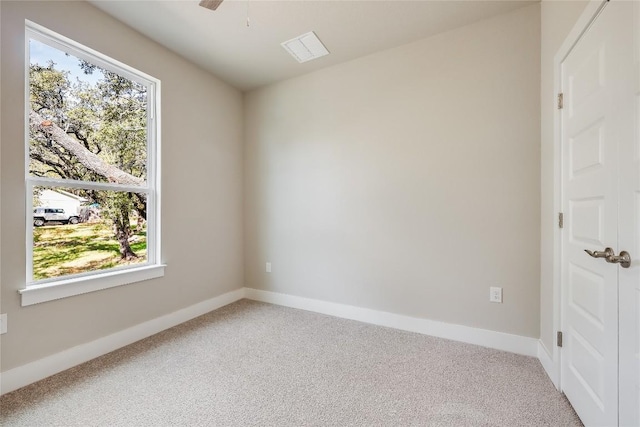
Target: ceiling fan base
[(210, 4)]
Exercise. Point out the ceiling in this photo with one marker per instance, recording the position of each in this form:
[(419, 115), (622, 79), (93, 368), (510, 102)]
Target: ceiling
[(250, 57)]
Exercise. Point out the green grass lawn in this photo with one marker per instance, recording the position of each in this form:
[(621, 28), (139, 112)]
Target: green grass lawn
[(60, 250)]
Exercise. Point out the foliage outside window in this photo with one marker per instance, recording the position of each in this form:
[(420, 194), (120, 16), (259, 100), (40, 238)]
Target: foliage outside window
[(91, 162)]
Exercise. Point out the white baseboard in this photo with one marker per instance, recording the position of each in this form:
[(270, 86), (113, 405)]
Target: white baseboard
[(483, 337), (546, 359), (26, 374)]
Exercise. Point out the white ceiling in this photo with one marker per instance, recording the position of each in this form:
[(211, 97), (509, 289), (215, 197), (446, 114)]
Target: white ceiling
[(249, 57)]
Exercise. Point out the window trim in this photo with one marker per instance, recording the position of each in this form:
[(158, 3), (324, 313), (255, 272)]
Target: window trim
[(89, 282), (37, 291)]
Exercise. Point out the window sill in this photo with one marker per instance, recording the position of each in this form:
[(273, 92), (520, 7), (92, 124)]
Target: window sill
[(81, 285)]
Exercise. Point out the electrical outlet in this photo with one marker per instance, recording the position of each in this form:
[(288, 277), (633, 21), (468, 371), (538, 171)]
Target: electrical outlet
[(3, 324), (495, 294), (267, 267)]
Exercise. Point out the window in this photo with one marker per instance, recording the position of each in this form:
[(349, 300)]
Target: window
[(92, 160)]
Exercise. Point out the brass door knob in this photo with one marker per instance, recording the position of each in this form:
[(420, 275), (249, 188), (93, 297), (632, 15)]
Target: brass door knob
[(608, 252), (624, 259)]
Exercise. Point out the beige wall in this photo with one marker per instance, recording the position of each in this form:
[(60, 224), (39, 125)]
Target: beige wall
[(406, 181), (557, 19), (201, 179)]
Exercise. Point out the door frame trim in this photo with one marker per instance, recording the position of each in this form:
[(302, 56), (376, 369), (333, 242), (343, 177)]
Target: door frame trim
[(586, 19)]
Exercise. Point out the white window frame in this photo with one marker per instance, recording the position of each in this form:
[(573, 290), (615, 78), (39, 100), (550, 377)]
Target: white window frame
[(37, 291)]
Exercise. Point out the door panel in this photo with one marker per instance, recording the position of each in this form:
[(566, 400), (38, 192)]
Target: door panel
[(586, 150), (590, 134), (588, 221), (586, 295), (588, 368)]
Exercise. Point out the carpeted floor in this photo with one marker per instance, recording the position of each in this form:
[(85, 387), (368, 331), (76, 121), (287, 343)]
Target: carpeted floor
[(255, 364)]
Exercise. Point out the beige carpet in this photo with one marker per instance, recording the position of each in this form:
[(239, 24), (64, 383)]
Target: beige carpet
[(257, 364)]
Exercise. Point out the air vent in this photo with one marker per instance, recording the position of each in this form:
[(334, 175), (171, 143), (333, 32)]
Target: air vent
[(305, 47)]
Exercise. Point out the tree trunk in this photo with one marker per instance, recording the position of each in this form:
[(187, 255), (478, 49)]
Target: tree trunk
[(88, 159), (126, 252), (122, 231)]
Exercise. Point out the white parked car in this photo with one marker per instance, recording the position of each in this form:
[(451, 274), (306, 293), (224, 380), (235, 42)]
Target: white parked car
[(43, 215)]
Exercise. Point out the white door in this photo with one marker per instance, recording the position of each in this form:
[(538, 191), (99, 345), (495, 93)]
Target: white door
[(629, 240), (597, 144)]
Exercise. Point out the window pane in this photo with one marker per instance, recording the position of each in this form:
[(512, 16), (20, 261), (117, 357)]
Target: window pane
[(85, 123), (78, 231)]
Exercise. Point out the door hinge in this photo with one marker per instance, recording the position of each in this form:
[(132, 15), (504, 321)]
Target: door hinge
[(560, 101), (559, 339), (560, 220)]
